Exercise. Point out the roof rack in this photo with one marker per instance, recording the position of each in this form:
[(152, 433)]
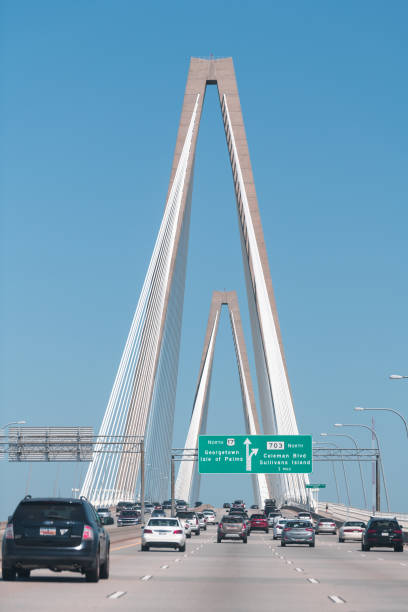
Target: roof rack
[(27, 496)]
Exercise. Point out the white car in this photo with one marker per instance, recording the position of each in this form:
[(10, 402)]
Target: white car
[(202, 521), (273, 517), (187, 528), (210, 516), (351, 530), (164, 533), (278, 528)]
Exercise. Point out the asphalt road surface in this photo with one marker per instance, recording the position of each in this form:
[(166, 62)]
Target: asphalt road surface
[(256, 576)]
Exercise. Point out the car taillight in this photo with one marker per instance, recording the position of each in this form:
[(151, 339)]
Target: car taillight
[(9, 532), (87, 533), (398, 531), (287, 529), (220, 525), (177, 531), (147, 531), (371, 531), (308, 529)]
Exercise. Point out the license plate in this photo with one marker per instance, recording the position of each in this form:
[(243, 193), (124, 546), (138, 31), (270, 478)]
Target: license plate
[(161, 531), (385, 533), (48, 531)]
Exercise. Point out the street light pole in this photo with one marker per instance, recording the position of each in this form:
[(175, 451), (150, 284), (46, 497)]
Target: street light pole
[(344, 470), (172, 486), (359, 462), (361, 408), (378, 461)]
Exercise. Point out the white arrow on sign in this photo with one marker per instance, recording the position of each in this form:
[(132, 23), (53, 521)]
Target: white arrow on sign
[(249, 455)]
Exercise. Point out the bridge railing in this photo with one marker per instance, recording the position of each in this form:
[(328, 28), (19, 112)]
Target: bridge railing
[(347, 513)]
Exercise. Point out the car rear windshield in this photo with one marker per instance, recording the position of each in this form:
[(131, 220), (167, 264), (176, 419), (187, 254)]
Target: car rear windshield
[(103, 509), (232, 519), (163, 523), (322, 521), (186, 515), (43, 511), (384, 525), (354, 524), (257, 516), (129, 513), (297, 524)]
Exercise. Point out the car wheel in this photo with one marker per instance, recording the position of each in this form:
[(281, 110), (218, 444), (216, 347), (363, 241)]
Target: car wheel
[(188, 535), (266, 530), (245, 540), (23, 573), (219, 540), (8, 573), (197, 533), (283, 543), (145, 548), (399, 548), (182, 548), (205, 528), (93, 574), (311, 544), (365, 547), (104, 571), (274, 538), (341, 539)]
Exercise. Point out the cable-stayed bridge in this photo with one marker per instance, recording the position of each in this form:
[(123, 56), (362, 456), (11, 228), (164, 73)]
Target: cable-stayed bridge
[(142, 401)]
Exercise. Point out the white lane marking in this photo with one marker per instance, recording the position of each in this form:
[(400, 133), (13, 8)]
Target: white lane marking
[(350, 551), (380, 559), (363, 555), (299, 569), (164, 566), (116, 595), (403, 564), (313, 580), (289, 562), (145, 578), (336, 599), (177, 560)]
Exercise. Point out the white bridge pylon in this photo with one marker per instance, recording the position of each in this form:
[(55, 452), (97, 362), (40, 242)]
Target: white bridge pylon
[(142, 401), (188, 478)]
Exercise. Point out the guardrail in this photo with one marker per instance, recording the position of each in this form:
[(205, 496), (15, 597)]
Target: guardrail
[(346, 513)]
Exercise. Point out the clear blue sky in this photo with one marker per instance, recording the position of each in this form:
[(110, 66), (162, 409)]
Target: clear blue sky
[(91, 95)]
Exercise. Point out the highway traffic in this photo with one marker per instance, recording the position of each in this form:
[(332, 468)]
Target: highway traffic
[(213, 575)]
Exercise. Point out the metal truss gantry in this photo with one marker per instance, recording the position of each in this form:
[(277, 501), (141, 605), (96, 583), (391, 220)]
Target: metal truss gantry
[(188, 478), (142, 400)]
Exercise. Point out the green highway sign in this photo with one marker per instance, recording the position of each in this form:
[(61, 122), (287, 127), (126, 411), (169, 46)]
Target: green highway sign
[(315, 486), (255, 454)]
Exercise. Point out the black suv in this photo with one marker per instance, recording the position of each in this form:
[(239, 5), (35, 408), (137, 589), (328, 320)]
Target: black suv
[(58, 534), (383, 532)]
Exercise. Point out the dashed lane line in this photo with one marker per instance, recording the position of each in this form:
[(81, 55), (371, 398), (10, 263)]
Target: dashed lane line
[(336, 599), (146, 578), (313, 580), (299, 569), (116, 595), (164, 566)]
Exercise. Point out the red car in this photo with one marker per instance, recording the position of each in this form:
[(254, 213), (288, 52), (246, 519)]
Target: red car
[(259, 521)]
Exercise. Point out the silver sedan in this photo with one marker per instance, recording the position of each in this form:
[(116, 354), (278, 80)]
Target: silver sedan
[(351, 530)]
